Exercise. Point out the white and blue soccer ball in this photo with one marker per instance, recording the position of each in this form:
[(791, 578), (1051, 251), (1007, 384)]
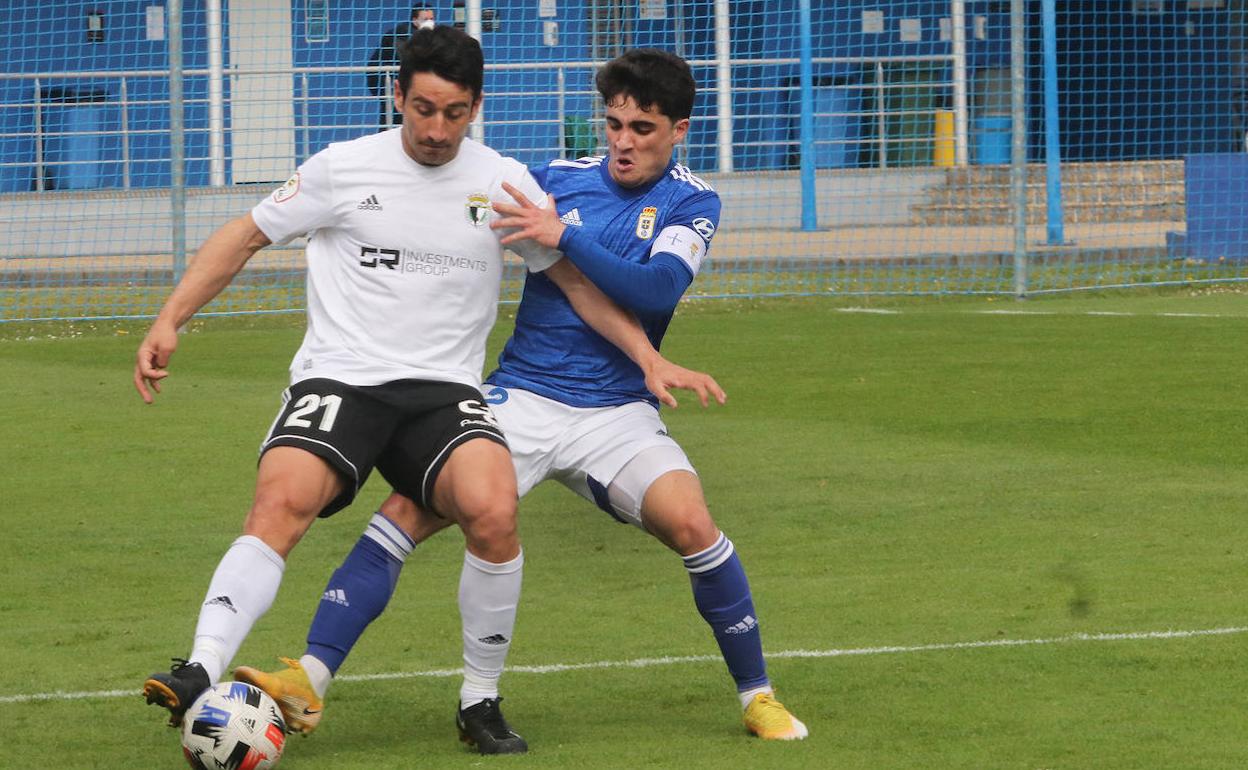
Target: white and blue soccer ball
[(233, 726)]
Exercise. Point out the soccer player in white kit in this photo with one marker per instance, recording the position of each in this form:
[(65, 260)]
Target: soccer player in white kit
[(403, 282), (575, 410)]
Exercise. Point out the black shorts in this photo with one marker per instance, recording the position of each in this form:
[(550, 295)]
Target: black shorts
[(406, 429)]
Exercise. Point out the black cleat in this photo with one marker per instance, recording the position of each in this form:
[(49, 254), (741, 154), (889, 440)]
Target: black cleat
[(482, 725), (178, 689)]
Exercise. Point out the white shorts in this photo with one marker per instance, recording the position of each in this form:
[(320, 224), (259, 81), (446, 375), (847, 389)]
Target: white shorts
[(585, 448)]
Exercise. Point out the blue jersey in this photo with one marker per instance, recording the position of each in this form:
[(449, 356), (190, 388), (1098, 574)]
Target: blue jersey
[(659, 231)]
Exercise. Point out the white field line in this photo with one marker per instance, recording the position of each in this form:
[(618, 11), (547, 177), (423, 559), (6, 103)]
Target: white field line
[(555, 668), (1112, 313), (1007, 311)]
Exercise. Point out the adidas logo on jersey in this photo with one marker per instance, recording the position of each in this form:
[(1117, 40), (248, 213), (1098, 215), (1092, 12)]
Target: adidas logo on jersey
[(336, 596), (370, 204), (747, 624), (572, 218)]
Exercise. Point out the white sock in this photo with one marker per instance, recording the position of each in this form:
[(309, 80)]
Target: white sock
[(242, 589), (747, 696), (318, 674), (488, 595)]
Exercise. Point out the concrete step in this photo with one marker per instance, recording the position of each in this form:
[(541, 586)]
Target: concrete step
[(1115, 193), (1137, 172), (999, 214), (1121, 191)]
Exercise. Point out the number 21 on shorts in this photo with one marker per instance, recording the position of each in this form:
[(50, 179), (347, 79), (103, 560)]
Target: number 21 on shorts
[(308, 405)]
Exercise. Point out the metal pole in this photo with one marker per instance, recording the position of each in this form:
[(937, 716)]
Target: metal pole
[(38, 136), (723, 84), (305, 127), (560, 80), (473, 11), (957, 20), (806, 130), (177, 139), (1018, 155), (881, 113), (125, 136), (678, 29), (216, 95), (387, 98), (1052, 132)]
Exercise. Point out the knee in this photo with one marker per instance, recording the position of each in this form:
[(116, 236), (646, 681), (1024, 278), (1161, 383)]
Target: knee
[(279, 518), (686, 530), (275, 503), (400, 510), (415, 521), (489, 524)]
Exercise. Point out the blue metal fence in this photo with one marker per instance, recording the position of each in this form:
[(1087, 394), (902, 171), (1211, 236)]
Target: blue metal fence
[(860, 146)]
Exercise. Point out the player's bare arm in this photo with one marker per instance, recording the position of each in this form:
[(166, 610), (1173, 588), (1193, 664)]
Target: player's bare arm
[(621, 329), (529, 220), (213, 267)]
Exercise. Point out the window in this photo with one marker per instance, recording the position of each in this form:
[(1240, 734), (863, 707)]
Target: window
[(317, 12)]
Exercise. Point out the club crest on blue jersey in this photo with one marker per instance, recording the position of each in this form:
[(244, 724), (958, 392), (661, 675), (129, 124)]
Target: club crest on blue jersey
[(645, 222), (478, 208)]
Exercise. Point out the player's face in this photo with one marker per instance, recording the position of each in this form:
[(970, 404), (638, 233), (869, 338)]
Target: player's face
[(436, 114), (640, 142)]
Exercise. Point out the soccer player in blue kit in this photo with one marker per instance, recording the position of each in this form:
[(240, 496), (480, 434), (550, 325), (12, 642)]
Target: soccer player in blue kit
[(575, 409)]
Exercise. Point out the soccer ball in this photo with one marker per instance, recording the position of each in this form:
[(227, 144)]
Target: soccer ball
[(233, 726)]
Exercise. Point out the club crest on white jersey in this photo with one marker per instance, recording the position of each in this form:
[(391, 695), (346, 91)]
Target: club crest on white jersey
[(288, 190), (478, 209)]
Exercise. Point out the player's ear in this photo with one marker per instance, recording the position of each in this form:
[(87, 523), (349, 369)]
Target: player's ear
[(398, 96), (476, 108), (679, 129)]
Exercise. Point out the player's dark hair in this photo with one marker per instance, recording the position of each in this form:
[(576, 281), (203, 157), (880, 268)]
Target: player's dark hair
[(448, 53), (652, 77), (416, 9)]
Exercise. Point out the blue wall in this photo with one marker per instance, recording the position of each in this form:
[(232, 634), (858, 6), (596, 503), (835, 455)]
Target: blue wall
[(768, 123), (43, 36), (1138, 86), (1131, 86)]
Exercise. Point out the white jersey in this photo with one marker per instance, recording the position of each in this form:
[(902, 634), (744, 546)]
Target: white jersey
[(403, 267)]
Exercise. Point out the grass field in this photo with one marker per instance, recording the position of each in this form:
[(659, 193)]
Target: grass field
[(278, 286), (966, 523)]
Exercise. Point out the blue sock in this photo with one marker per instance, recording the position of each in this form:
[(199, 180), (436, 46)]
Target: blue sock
[(722, 595), (358, 591)]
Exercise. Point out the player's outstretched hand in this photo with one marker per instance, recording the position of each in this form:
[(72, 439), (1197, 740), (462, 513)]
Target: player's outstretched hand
[(151, 364), (664, 376), (528, 220)]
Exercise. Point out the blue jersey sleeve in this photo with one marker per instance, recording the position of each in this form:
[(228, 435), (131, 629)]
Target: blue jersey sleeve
[(650, 287), (688, 230), (700, 212), (539, 173)]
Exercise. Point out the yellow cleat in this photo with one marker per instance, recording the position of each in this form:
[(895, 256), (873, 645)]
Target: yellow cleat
[(767, 718), (291, 689)]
